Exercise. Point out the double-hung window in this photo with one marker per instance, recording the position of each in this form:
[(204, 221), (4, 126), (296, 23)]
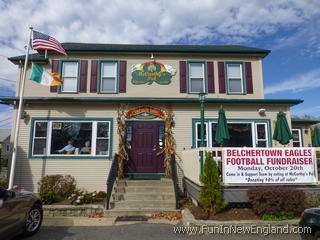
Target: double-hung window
[(108, 80), (197, 78), (235, 81), (297, 137), (39, 138), (70, 77), (71, 138)]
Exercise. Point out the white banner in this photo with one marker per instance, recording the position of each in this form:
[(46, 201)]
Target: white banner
[(269, 166)]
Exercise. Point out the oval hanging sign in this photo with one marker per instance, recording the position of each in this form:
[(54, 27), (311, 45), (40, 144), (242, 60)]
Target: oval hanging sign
[(149, 72)]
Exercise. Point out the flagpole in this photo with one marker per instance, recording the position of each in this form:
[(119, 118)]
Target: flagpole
[(18, 117)]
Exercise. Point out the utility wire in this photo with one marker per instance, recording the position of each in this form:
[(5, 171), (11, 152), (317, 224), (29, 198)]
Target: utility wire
[(6, 79), (4, 120)]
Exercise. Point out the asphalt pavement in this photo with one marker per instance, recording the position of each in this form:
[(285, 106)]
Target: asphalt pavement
[(138, 231)]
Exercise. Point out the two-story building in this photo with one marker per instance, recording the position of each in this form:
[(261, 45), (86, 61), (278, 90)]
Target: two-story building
[(132, 97)]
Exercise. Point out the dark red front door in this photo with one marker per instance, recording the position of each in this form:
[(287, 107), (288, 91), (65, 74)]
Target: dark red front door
[(145, 139)]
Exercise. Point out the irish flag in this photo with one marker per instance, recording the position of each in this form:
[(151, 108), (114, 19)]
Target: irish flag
[(40, 75)]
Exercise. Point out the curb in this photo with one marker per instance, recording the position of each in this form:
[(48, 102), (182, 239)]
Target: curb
[(189, 220), (71, 210)]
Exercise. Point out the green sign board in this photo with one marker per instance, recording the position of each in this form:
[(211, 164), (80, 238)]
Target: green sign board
[(150, 72)]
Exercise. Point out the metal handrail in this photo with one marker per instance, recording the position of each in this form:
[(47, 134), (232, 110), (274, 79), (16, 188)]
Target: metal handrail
[(111, 179), (175, 179)]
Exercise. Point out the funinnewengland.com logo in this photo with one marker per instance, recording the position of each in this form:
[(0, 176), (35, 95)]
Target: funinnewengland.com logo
[(240, 229)]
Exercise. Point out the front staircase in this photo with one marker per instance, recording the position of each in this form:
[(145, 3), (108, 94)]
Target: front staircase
[(142, 197)]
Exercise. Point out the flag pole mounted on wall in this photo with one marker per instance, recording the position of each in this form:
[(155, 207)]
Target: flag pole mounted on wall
[(18, 117)]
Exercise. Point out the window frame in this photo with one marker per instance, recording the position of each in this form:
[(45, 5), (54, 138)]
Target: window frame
[(205, 81), (253, 122), (256, 133), (300, 136), (116, 89), (243, 78), (34, 138), (78, 75), (93, 154)]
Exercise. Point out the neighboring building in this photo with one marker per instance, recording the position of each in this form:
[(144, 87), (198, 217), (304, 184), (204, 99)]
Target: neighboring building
[(302, 131), (4, 146), (73, 129)]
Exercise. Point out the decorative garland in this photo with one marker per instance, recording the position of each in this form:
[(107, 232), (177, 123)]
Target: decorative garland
[(123, 155), (170, 144)]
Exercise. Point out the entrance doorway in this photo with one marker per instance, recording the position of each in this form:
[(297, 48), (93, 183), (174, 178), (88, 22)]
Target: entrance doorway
[(144, 141)]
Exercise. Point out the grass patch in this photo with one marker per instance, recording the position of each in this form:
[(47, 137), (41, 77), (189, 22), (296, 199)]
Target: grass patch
[(278, 217)]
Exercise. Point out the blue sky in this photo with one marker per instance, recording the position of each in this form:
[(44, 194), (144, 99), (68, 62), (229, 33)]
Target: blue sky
[(289, 28)]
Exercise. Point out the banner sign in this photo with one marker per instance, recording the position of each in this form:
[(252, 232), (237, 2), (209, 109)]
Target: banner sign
[(149, 72), (145, 112), (269, 166)]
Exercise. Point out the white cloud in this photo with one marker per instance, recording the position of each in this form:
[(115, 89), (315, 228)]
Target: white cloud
[(303, 82), (155, 22)]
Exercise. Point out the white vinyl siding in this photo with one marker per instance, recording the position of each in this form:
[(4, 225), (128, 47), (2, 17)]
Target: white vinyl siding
[(108, 81), (235, 78), (197, 78), (70, 77)]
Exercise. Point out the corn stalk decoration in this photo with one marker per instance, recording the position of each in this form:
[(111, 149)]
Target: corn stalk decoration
[(170, 144), (123, 155)]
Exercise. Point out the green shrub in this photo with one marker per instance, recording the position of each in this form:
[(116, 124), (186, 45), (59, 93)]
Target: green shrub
[(277, 201), (4, 182), (210, 193), (53, 188)]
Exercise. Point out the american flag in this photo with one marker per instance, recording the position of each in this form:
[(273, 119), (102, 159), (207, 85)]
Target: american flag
[(42, 41)]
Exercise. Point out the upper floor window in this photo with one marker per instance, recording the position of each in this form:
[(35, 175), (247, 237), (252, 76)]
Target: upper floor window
[(70, 77), (197, 78), (108, 79), (297, 137), (235, 80)]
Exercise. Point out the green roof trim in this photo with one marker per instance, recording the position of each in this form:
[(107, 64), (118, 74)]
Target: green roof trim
[(6, 100), (32, 58), (304, 121), (135, 48)]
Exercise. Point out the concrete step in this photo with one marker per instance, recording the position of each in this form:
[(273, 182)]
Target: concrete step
[(137, 204), (156, 196), (144, 189), (137, 212), (140, 183)]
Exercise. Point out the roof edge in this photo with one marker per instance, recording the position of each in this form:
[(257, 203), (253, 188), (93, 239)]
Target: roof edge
[(291, 102)]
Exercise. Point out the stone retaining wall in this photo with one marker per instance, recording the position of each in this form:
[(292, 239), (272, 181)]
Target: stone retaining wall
[(70, 210)]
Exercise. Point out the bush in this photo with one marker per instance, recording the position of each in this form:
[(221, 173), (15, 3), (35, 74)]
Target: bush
[(277, 201), (83, 197), (312, 200), (4, 182), (53, 188), (210, 193)]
